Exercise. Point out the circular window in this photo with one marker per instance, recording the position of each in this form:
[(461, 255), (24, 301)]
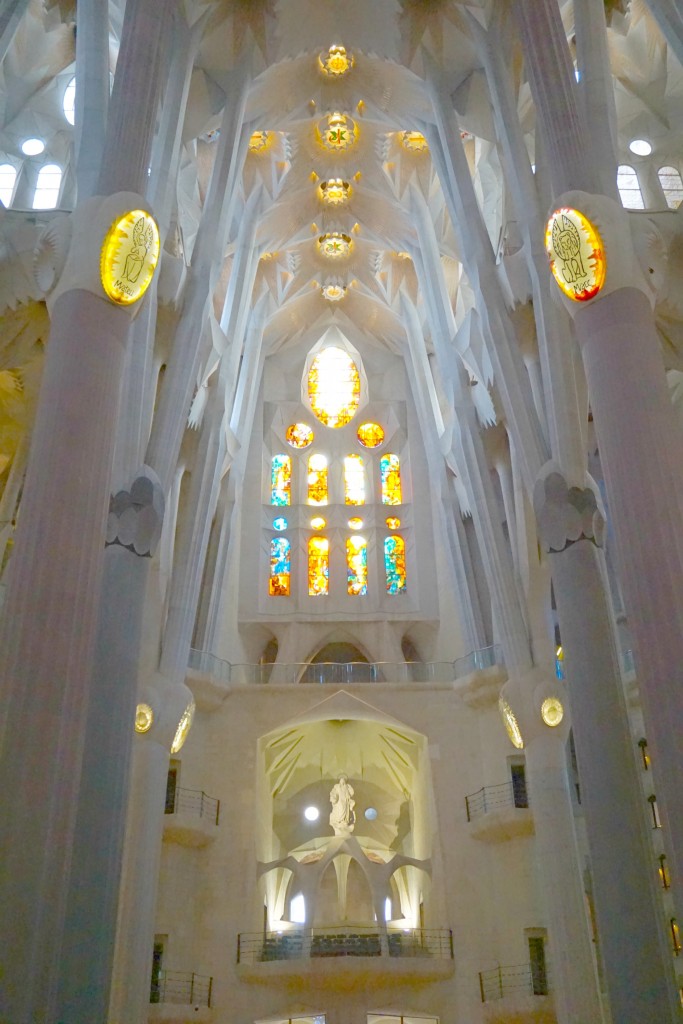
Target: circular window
[(318, 523), (371, 813), (393, 522), (299, 435), (280, 523), (355, 523), (311, 814), (370, 435)]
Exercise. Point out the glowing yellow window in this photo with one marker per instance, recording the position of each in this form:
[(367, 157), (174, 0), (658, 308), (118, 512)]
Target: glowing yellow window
[(318, 523), (299, 435), (334, 387), (393, 522), (370, 435), (318, 566), (390, 473), (357, 565), (355, 523), (395, 564), (354, 480), (317, 480)]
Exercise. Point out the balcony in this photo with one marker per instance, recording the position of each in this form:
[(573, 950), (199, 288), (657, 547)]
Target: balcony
[(498, 813), (191, 818), (178, 997), (224, 674), (358, 952), (519, 993)]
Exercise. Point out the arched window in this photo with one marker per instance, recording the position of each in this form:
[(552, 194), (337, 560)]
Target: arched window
[(395, 564), (354, 480), (357, 565), (390, 473), (318, 566), (46, 195), (281, 480), (334, 387), (672, 186), (297, 909), (280, 567), (629, 188), (69, 101), (8, 176), (317, 480)]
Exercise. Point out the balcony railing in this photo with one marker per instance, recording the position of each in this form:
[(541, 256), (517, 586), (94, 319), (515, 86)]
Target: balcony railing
[(494, 798), (309, 943), (194, 803), (184, 988), (521, 980), (346, 673)]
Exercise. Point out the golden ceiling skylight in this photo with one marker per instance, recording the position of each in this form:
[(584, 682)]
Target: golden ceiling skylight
[(335, 245), (333, 292), (335, 192), (260, 141), (414, 141), (337, 132), (336, 62)]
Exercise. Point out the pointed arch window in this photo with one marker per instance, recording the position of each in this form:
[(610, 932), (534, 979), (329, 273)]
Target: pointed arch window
[(46, 195), (357, 565), (629, 188), (281, 480), (672, 186), (395, 564), (317, 480), (390, 474), (318, 566), (280, 567), (354, 480), (334, 387), (8, 177)]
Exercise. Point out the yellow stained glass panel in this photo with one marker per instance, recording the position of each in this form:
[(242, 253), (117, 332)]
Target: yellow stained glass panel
[(317, 480), (318, 566), (334, 387), (357, 565), (390, 472), (393, 522), (354, 480), (299, 435), (370, 435), (355, 523), (318, 523)]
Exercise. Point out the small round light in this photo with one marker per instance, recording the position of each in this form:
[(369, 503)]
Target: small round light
[(371, 813), (311, 814), (355, 523), (318, 523), (144, 717), (393, 522), (552, 711), (641, 147), (32, 147), (184, 726), (280, 523)]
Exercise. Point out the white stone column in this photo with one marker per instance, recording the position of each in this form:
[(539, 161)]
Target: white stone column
[(670, 20), (92, 93)]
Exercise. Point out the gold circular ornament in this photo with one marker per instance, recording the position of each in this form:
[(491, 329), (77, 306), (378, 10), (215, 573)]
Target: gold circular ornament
[(129, 255), (511, 724), (576, 254), (144, 717), (415, 142), (333, 292), (337, 132), (552, 711), (184, 726), (259, 142), (335, 191), (335, 245), (336, 62)]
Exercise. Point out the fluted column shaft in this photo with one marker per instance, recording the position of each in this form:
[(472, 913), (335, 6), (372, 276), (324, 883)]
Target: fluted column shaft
[(92, 93)]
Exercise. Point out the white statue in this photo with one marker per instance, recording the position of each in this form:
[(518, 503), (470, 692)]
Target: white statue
[(342, 818)]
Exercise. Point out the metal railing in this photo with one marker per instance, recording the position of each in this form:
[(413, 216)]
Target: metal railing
[(493, 798), (195, 803), (310, 943), (523, 979), (185, 988), (345, 673)]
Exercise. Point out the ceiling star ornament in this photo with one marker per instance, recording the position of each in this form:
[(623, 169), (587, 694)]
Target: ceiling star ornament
[(336, 62), (261, 141), (335, 192), (414, 142), (332, 291), (337, 132), (335, 245)]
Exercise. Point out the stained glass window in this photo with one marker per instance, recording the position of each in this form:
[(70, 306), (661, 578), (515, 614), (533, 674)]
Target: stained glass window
[(395, 564), (334, 387), (281, 480), (280, 523), (299, 435), (318, 566), (672, 185), (317, 480), (354, 480), (390, 473), (357, 565), (393, 522), (355, 523), (280, 567), (370, 435), (318, 523)]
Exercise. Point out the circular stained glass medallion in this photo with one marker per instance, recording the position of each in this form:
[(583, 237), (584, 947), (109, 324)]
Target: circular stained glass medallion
[(318, 523), (335, 245), (370, 435), (356, 523), (280, 523), (393, 522), (552, 711), (299, 435)]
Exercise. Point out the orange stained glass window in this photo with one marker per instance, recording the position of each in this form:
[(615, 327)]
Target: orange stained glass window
[(395, 564), (318, 523), (334, 387), (393, 522), (354, 480), (317, 480), (357, 565), (355, 523), (280, 567), (281, 480), (318, 566), (370, 435), (299, 435), (390, 473)]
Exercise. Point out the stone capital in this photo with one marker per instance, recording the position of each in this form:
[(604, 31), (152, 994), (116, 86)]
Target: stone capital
[(136, 515), (565, 515)]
